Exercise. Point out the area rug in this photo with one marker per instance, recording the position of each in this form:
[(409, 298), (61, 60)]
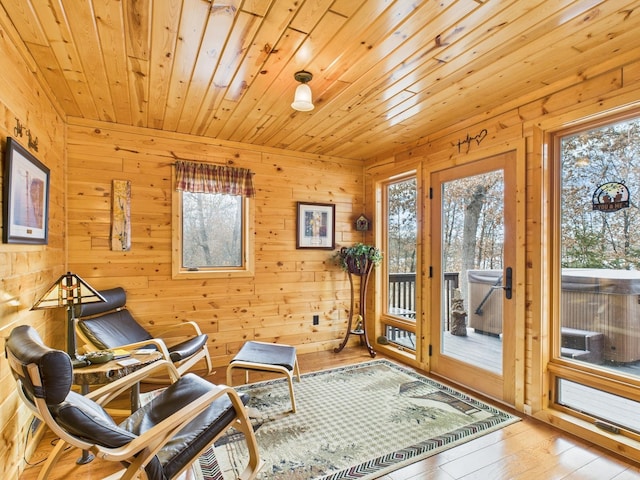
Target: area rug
[(355, 422)]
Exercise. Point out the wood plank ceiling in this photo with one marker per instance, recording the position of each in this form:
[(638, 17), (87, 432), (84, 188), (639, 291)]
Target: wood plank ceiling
[(385, 73)]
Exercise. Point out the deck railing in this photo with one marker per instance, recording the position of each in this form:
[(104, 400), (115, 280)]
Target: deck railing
[(402, 293)]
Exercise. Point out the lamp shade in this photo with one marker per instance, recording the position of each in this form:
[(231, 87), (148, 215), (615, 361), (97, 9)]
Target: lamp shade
[(67, 291), (302, 100)]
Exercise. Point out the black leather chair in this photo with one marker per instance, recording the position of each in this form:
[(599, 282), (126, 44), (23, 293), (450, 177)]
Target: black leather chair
[(163, 438), (109, 325)]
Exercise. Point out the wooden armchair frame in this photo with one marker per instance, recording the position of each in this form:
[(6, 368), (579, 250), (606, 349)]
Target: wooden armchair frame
[(143, 448)]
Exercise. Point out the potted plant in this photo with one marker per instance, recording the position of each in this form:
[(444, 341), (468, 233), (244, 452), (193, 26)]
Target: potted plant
[(357, 258)]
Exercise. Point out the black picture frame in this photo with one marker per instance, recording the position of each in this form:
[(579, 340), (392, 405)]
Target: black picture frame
[(25, 197), (316, 225)]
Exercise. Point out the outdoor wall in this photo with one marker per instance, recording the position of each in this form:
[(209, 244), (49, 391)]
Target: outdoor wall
[(290, 285), (26, 271)]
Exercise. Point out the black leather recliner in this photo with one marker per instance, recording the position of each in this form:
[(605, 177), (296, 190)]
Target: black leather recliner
[(163, 437), (108, 325)]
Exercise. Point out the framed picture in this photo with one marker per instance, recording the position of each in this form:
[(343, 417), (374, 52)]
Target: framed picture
[(316, 225), (25, 197)]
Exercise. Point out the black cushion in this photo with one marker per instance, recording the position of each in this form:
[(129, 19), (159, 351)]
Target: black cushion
[(113, 330), (87, 420), (55, 367), (186, 349), (115, 298), (187, 444), (267, 354)]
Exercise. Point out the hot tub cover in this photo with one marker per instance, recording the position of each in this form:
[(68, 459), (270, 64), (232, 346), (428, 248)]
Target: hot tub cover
[(608, 281), (489, 277)]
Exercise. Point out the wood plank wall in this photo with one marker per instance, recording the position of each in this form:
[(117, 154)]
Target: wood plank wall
[(27, 270), (290, 285)]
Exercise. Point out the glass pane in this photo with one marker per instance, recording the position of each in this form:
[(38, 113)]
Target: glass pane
[(401, 248), (613, 409), (400, 337), (472, 262), (600, 225), (211, 230)]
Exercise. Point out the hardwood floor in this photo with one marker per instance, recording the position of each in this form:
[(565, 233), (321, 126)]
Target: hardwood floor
[(527, 449)]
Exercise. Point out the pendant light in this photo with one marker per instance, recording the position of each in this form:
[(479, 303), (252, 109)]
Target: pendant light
[(302, 100)]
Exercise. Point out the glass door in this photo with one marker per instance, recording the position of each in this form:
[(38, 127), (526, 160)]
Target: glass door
[(473, 313)]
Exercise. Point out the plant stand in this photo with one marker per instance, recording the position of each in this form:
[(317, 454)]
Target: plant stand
[(359, 267)]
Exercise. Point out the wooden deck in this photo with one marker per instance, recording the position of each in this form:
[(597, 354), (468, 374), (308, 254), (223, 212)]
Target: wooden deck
[(486, 350), (475, 349)]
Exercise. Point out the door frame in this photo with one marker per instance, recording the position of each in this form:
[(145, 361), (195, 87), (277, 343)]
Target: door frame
[(510, 387)]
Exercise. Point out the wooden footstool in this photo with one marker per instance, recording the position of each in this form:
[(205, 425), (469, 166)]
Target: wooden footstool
[(267, 357)]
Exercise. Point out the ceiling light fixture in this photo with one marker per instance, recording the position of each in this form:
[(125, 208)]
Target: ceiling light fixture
[(302, 100)]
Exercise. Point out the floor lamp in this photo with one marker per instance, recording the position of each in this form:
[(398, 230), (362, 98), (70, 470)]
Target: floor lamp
[(69, 291)]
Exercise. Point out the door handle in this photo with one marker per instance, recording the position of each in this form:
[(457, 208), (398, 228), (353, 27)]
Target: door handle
[(508, 279)]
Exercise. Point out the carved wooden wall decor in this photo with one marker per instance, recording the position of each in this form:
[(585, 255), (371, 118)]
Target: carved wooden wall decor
[(121, 215)]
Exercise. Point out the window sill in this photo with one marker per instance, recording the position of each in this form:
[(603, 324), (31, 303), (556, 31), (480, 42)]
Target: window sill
[(196, 274), (617, 443)]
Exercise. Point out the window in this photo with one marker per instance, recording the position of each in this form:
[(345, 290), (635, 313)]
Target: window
[(596, 348), (212, 237), (400, 260), (212, 226)]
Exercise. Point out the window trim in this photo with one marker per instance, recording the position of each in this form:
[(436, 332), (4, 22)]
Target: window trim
[(247, 269)]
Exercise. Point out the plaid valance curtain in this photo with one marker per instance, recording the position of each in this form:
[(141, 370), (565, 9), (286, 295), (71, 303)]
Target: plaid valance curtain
[(207, 178)]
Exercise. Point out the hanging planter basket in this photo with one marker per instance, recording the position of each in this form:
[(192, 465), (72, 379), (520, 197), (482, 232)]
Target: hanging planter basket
[(358, 258)]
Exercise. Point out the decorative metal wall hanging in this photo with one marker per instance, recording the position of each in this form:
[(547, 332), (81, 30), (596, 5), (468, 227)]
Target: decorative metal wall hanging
[(33, 141), (17, 130), (610, 197), (478, 139)]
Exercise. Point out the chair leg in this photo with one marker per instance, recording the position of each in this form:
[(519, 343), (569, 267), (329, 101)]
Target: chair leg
[(296, 367), (291, 394)]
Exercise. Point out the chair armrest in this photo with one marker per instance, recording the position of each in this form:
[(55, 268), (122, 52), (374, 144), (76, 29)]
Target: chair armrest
[(104, 394), (178, 326), (158, 342)]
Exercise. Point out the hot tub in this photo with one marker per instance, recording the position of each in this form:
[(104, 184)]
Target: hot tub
[(604, 301), (485, 301), (594, 300)]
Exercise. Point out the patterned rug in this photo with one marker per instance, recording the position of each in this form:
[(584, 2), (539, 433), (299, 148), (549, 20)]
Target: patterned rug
[(356, 422)]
